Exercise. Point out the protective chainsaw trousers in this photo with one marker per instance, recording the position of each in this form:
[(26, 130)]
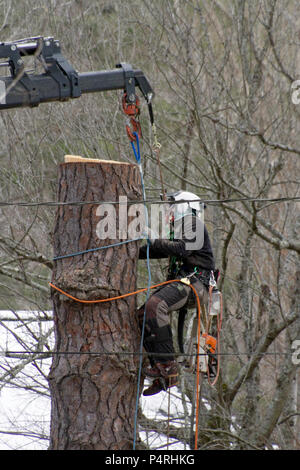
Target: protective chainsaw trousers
[(158, 333)]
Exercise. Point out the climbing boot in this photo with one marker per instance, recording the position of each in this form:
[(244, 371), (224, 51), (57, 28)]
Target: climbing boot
[(165, 375), (152, 371), (165, 370), (161, 384), (154, 388)]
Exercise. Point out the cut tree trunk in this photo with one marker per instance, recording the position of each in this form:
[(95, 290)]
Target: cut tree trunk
[(93, 392)]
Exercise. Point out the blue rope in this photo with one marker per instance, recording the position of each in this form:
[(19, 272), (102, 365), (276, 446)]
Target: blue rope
[(138, 159), (97, 249), (137, 152)]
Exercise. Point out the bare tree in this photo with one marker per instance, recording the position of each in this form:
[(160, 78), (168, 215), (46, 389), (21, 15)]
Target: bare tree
[(223, 74)]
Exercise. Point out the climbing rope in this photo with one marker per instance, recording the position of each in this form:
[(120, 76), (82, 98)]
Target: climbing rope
[(69, 255), (122, 296), (137, 155)]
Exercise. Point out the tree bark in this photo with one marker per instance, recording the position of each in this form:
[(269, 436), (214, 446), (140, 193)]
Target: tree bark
[(93, 392)]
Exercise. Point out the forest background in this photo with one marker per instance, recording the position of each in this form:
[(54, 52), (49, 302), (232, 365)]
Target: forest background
[(227, 110)]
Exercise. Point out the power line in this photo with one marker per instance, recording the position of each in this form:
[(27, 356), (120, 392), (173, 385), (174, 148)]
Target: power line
[(141, 201), (133, 353)]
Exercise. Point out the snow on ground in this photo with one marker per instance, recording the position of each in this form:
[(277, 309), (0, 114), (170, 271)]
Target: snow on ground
[(23, 410)]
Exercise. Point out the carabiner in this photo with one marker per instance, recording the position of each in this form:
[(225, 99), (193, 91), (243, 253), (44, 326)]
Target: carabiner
[(134, 129), (212, 281)]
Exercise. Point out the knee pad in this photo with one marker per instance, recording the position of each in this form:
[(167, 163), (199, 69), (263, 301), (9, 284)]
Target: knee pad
[(157, 312)]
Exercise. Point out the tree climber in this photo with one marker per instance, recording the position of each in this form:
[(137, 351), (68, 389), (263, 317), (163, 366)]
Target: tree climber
[(190, 255)]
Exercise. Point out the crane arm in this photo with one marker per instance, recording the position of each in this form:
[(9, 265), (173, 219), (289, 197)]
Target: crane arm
[(58, 80)]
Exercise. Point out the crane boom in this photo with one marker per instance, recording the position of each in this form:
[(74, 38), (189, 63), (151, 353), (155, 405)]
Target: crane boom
[(58, 81)]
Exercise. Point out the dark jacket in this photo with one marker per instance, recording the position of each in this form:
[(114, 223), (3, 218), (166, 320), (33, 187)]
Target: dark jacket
[(191, 246)]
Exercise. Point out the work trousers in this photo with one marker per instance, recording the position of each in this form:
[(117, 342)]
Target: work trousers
[(157, 332)]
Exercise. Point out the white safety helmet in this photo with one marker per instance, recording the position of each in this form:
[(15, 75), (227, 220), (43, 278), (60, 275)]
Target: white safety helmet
[(190, 204)]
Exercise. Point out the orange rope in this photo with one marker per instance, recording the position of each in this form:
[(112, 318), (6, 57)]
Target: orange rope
[(112, 298), (198, 367), (143, 290)]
